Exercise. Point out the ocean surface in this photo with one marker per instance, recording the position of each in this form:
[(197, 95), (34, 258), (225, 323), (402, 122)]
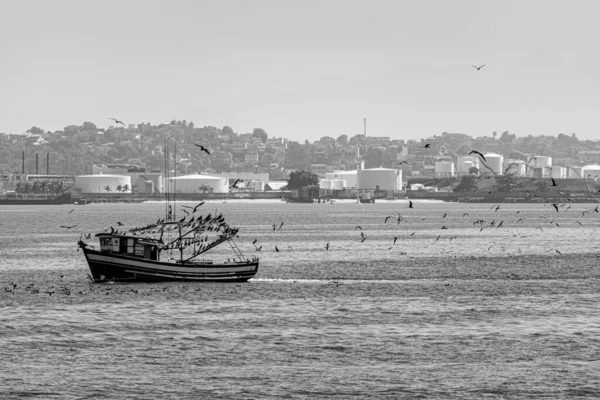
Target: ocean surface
[(428, 305)]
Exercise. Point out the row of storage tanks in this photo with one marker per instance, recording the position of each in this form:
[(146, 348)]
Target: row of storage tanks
[(536, 166), (375, 178)]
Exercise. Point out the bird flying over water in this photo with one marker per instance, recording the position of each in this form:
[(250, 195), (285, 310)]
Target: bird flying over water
[(119, 223), (71, 211), (358, 227), (280, 226), (478, 68), (327, 246), (204, 149), (427, 146), (553, 182), (68, 227)]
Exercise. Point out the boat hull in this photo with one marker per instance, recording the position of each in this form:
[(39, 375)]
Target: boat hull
[(112, 267)]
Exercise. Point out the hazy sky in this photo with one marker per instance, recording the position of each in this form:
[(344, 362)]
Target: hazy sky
[(304, 69)]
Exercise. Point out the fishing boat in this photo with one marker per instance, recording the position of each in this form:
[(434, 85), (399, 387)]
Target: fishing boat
[(169, 249), (138, 254)]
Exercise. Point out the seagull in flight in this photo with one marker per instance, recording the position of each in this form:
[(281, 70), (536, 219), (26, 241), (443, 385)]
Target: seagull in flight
[(427, 146), (553, 182), (478, 153), (204, 149), (68, 227), (118, 122), (236, 182), (478, 68)]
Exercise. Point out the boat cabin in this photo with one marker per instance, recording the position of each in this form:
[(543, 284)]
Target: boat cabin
[(128, 245)]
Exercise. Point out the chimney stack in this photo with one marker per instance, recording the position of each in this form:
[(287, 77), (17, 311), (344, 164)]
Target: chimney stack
[(36, 163), (47, 163), (23, 163)]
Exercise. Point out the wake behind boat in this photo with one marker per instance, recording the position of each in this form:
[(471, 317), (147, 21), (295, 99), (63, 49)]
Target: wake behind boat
[(139, 255)]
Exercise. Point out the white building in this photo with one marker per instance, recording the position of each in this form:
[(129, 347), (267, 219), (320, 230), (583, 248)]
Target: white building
[(380, 179)]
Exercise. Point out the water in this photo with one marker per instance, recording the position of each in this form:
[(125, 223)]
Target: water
[(497, 313)]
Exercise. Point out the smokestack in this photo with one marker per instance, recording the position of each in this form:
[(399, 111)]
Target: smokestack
[(365, 128), (36, 163), (23, 163), (47, 163)]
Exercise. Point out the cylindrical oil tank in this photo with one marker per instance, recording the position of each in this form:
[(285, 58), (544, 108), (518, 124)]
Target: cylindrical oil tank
[(464, 163), (416, 186), (338, 184), (590, 171), (539, 161), (103, 183), (493, 163), (325, 184), (444, 168), (351, 177), (197, 184), (559, 172), (380, 178), (155, 178)]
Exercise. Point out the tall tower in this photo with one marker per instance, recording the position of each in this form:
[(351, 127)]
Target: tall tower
[(365, 126)]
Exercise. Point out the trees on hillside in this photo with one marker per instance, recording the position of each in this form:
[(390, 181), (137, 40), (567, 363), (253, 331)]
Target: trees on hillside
[(260, 133)]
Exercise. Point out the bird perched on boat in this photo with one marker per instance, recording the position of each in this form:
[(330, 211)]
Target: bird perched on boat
[(68, 227), (118, 122), (478, 153), (478, 68), (204, 149)]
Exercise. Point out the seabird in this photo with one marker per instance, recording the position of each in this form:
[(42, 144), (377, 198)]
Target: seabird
[(478, 68), (478, 153), (204, 149), (117, 121)]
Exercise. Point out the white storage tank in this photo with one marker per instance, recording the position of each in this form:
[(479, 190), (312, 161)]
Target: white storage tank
[(380, 178), (155, 178), (416, 186), (197, 184), (325, 184), (103, 183), (338, 184), (539, 161), (351, 177), (493, 162), (464, 163), (444, 168), (559, 172), (590, 171)]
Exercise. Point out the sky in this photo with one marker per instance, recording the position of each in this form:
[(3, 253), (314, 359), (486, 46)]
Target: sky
[(304, 69)]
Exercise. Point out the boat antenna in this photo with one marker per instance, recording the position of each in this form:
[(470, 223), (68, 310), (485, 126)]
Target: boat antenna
[(174, 180)]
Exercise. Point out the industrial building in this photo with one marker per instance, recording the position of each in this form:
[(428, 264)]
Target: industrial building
[(103, 183), (380, 179), (444, 169), (590, 171)]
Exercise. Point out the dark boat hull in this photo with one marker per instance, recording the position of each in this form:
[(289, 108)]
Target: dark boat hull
[(111, 267), (20, 200)]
